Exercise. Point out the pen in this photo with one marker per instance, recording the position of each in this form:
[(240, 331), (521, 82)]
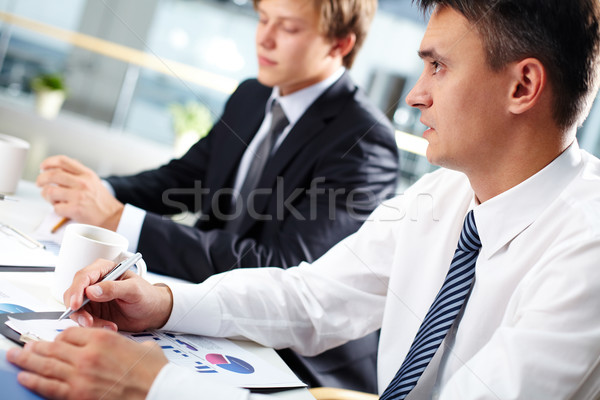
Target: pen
[(113, 275), (5, 197), (60, 223)]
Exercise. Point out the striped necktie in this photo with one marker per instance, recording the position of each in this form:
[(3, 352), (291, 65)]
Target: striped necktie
[(441, 315)]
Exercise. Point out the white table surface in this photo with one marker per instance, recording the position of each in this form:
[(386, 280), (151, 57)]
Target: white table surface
[(27, 213)]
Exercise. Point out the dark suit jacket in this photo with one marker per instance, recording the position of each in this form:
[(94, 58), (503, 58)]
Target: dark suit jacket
[(335, 166)]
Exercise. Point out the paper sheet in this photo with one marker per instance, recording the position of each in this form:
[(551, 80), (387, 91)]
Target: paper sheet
[(18, 251), (15, 300), (44, 231), (41, 329), (217, 358)]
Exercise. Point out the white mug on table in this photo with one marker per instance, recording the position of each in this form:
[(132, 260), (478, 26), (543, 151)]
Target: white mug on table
[(82, 245), (13, 153)]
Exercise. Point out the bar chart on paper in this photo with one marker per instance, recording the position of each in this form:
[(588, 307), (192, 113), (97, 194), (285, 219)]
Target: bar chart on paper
[(220, 359)]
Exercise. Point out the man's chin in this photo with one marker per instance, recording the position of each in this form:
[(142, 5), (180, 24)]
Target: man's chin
[(266, 80)]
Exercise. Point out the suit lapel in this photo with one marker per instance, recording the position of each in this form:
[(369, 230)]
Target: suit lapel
[(313, 122), (233, 140)]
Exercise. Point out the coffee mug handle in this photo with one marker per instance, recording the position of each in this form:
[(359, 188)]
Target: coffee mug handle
[(140, 265)]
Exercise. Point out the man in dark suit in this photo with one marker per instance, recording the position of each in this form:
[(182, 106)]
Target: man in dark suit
[(333, 162)]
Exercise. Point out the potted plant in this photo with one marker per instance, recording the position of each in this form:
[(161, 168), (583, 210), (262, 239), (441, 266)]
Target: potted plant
[(50, 94), (191, 122)]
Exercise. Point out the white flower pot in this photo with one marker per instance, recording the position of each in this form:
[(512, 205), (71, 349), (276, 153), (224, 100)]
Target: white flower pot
[(49, 102)]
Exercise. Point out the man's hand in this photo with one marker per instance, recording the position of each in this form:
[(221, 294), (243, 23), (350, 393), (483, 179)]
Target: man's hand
[(130, 304), (87, 363), (77, 192)]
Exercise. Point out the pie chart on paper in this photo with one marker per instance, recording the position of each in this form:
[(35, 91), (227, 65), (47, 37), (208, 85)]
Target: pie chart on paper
[(230, 363)]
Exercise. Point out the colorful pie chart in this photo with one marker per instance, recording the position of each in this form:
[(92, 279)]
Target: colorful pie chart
[(230, 363)]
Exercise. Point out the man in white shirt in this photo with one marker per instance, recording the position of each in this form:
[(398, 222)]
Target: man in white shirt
[(502, 107)]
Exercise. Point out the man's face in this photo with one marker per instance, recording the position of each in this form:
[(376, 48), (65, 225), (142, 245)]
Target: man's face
[(292, 53), (461, 99)]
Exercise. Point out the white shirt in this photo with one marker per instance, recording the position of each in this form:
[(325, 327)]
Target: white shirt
[(294, 106), (530, 329)]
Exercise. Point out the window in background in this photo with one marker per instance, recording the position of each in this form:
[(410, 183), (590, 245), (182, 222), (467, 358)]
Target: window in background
[(25, 54), (216, 37)]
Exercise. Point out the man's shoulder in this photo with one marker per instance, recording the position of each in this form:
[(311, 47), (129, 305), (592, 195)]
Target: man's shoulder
[(586, 185), (349, 104), (252, 87), (249, 95), (442, 184)]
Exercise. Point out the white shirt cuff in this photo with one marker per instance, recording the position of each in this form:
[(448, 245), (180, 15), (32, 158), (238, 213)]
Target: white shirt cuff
[(192, 303), (130, 225)]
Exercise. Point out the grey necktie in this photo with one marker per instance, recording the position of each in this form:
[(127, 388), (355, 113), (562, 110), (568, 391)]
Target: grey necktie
[(263, 151)]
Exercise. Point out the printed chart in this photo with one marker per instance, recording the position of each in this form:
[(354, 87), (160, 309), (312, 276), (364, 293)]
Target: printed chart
[(220, 359), (230, 363)]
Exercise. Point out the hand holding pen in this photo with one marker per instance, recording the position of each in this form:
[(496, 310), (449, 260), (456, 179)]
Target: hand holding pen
[(113, 275), (129, 303)]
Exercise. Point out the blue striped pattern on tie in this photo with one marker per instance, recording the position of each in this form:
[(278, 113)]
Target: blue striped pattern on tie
[(441, 314)]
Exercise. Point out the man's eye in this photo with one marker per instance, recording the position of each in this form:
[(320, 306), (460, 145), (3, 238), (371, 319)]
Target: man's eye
[(290, 28), (436, 66)]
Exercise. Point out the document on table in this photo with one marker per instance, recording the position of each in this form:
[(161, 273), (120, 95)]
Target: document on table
[(44, 233), (18, 252), (217, 358), (40, 329), (15, 300)]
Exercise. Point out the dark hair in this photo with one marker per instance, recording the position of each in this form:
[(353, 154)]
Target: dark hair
[(339, 18), (564, 35)]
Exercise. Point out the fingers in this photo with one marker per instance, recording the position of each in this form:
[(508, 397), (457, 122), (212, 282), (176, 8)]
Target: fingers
[(73, 296), (80, 337), (65, 163), (126, 289), (61, 351), (48, 388), (32, 360), (42, 374), (58, 177), (56, 194), (90, 319)]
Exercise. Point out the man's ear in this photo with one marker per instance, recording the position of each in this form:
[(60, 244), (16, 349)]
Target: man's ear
[(528, 85), (342, 46)]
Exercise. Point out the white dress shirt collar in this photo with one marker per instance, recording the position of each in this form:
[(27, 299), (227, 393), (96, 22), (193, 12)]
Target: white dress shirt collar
[(502, 218), (294, 105)]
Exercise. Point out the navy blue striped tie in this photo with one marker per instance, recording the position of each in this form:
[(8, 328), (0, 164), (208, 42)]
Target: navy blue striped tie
[(441, 314)]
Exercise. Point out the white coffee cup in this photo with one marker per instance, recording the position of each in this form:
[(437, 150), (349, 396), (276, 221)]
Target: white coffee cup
[(82, 245), (13, 153)]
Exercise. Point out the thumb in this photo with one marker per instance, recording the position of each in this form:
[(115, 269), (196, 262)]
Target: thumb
[(124, 290)]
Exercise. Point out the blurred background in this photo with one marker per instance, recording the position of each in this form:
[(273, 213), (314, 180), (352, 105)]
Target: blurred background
[(144, 79)]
